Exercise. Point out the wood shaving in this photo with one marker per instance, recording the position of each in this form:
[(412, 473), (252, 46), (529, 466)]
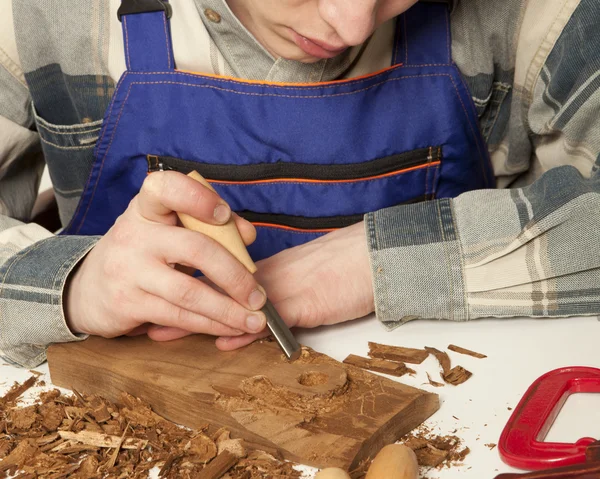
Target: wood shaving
[(457, 375), (397, 353), (442, 358), (468, 352), (379, 365), (434, 450), (434, 383), (491, 445), (89, 437), (17, 391)]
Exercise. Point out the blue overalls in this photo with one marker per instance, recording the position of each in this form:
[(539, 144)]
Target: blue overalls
[(296, 160)]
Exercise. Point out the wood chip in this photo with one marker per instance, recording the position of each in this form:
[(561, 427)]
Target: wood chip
[(98, 439), (442, 358), (379, 365), (397, 353), (218, 466), (468, 352), (431, 456), (457, 375), (491, 445), (18, 390), (434, 383)]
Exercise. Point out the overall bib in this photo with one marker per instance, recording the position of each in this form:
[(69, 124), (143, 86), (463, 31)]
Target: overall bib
[(297, 160)]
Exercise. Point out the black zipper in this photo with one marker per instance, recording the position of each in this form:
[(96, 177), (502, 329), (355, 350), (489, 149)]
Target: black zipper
[(299, 171), (287, 171)]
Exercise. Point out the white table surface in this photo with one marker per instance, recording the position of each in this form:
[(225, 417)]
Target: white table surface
[(518, 350)]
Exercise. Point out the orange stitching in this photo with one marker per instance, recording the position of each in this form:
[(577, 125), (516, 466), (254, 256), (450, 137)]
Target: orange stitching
[(292, 181), (294, 230), (164, 16), (289, 86), (103, 160), (98, 143)]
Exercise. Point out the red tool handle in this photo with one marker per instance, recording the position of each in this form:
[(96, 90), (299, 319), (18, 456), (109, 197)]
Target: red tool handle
[(521, 443)]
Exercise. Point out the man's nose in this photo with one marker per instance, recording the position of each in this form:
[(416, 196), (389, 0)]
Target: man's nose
[(353, 20)]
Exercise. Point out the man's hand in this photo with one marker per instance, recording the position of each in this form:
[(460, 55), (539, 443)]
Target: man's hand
[(325, 281), (129, 279)]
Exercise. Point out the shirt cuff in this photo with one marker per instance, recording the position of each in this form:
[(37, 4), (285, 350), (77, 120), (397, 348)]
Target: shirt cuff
[(32, 284), (417, 263)]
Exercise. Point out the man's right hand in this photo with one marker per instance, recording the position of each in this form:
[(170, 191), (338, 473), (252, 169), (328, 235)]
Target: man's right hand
[(129, 279)]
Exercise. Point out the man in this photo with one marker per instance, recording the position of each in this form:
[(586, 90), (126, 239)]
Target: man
[(531, 69)]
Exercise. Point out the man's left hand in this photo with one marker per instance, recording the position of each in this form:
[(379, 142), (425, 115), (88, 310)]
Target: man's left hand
[(325, 281)]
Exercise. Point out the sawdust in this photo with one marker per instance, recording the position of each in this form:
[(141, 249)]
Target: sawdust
[(434, 450), (259, 465), (312, 378), (259, 394), (89, 437)]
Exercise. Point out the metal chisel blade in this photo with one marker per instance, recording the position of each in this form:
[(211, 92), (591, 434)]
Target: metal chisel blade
[(282, 333)]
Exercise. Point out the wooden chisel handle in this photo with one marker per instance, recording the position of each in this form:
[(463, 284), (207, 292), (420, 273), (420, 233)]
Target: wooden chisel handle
[(229, 237), (226, 235)]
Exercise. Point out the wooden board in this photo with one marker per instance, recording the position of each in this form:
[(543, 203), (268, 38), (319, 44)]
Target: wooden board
[(314, 411)]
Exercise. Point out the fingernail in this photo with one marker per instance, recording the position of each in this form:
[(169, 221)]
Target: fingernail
[(222, 213), (255, 322), (257, 299)]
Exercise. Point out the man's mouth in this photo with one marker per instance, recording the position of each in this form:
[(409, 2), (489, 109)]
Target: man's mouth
[(317, 48)]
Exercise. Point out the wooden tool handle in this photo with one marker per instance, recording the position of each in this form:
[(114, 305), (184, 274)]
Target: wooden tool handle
[(394, 461), (226, 235)]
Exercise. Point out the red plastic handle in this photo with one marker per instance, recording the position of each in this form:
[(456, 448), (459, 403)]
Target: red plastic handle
[(521, 443)]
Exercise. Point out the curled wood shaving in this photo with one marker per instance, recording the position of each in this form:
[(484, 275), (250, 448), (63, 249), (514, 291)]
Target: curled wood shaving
[(434, 383), (442, 358)]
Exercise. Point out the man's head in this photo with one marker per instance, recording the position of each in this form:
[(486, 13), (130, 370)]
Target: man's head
[(308, 30)]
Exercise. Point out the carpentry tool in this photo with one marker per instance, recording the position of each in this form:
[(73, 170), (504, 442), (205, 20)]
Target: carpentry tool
[(229, 236), (521, 443)]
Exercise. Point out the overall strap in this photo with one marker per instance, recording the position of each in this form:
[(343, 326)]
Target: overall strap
[(147, 35), (423, 34)]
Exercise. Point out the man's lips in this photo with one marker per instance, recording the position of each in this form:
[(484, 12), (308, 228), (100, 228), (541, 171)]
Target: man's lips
[(316, 48)]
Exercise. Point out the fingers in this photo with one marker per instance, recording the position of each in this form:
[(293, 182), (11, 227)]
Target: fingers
[(156, 310), (165, 333), (197, 297), (229, 343), (164, 192), (178, 245), (139, 331), (246, 229)]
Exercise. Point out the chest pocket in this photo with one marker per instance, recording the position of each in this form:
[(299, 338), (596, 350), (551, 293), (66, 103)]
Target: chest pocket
[(69, 154)]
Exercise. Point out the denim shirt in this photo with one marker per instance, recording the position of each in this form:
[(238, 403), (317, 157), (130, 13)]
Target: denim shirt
[(529, 248)]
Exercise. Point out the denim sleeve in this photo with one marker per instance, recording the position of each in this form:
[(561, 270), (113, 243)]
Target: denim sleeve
[(34, 264), (532, 251), (32, 282)]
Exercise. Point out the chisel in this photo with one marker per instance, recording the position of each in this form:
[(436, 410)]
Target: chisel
[(229, 237)]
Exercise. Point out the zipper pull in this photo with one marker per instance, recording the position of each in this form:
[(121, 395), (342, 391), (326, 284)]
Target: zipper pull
[(155, 164)]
